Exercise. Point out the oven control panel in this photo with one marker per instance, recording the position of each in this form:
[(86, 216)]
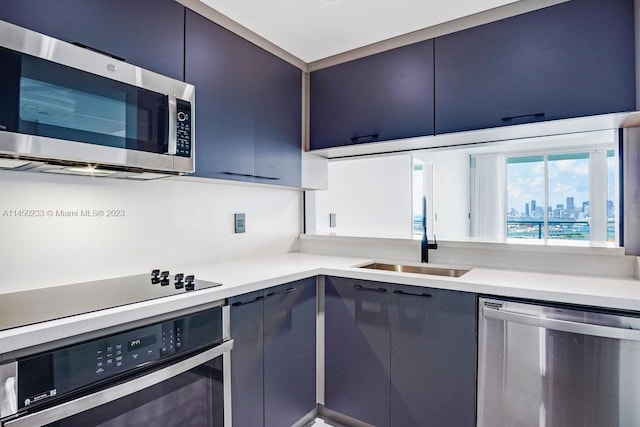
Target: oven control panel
[(58, 372)]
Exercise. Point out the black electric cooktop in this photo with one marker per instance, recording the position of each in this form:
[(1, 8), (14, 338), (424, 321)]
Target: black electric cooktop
[(41, 305)]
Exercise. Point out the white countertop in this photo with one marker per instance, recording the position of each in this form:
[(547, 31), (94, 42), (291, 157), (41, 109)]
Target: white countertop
[(247, 275)]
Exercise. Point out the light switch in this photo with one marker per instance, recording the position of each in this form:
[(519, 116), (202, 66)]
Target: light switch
[(239, 222), (332, 220)]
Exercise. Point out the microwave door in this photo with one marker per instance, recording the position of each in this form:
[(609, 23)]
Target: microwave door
[(60, 102)]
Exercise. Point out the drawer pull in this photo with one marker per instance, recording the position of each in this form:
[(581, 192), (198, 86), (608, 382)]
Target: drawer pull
[(270, 294), (523, 116), (423, 295), (239, 303), (248, 175), (362, 288), (373, 136)]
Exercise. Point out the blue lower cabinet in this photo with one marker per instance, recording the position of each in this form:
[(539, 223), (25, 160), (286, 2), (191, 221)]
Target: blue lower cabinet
[(273, 361), (433, 357), (357, 353), (289, 352), (400, 356), (247, 361)]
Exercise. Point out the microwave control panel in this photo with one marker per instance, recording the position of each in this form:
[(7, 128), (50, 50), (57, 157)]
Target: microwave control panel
[(184, 127)]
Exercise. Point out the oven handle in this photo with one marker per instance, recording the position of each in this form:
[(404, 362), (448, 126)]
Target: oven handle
[(94, 400)]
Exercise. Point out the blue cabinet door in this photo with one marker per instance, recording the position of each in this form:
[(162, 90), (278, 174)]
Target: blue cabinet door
[(289, 352), (357, 349), (433, 357), (377, 98), (220, 65), (247, 362), (146, 33), (568, 60), (248, 107), (278, 125)]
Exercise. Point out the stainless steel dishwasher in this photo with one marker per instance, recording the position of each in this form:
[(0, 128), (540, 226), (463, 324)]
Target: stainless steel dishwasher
[(547, 366)]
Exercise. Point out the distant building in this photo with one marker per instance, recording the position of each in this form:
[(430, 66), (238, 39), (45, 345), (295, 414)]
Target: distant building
[(570, 207), (526, 210)]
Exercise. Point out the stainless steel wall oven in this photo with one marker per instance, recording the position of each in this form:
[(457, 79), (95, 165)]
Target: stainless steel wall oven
[(171, 372)]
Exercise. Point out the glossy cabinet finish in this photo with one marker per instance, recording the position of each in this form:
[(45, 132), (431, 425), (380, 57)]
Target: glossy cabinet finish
[(146, 33), (433, 357), (273, 362), (289, 352), (248, 114), (377, 98), (357, 352), (400, 356), (568, 60), (247, 361)]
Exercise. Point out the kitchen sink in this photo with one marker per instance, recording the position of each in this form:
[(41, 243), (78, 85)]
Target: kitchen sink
[(422, 269)]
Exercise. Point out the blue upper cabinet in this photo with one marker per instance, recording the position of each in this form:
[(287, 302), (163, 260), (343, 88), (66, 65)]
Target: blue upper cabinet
[(220, 65), (146, 33), (248, 107), (377, 98), (278, 120), (569, 60)]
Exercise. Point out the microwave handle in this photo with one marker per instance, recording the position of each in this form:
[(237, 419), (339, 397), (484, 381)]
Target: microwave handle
[(173, 125), (91, 401)]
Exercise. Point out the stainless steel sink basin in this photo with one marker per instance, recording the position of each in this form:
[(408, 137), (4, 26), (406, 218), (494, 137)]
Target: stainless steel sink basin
[(422, 269)]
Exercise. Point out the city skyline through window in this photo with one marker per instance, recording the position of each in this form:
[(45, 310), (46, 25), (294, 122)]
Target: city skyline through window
[(550, 197)]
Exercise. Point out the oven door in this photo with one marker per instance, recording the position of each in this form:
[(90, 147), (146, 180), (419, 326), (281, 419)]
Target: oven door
[(190, 392)]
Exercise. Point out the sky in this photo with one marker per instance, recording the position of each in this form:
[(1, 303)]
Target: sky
[(567, 178)]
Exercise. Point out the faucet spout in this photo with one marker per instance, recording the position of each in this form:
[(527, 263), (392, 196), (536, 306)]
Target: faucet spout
[(426, 245)]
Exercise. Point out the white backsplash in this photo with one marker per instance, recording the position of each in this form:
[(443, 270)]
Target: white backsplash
[(167, 223)]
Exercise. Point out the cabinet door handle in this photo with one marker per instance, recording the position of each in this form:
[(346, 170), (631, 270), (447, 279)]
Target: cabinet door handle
[(373, 136), (248, 175), (239, 303), (270, 294), (423, 295), (363, 288), (523, 116)]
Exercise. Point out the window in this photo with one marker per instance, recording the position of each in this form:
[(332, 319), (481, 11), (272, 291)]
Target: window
[(562, 196)]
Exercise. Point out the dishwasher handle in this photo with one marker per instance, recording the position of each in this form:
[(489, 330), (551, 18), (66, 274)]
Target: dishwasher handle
[(110, 394), (563, 325)]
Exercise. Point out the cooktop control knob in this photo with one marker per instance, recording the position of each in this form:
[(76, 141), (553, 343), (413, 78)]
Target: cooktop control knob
[(164, 278), (155, 277), (179, 280), (190, 285)]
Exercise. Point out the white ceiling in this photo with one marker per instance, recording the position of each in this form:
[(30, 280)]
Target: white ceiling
[(316, 29)]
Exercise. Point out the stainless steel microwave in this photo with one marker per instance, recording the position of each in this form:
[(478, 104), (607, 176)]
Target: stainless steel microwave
[(67, 105)]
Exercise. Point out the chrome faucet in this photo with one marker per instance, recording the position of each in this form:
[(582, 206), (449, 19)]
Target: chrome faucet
[(424, 253)]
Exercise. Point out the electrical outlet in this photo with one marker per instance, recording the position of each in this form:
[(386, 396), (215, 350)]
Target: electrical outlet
[(332, 220), (239, 221)]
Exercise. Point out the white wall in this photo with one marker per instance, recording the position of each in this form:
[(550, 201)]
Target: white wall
[(370, 197), (168, 223)]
